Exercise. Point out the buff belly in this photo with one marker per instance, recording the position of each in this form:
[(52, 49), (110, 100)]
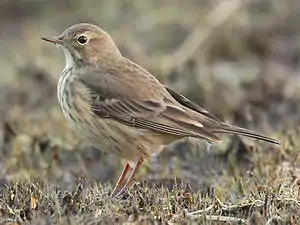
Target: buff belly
[(128, 142)]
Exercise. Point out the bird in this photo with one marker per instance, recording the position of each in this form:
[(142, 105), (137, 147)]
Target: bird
[(120, 107)]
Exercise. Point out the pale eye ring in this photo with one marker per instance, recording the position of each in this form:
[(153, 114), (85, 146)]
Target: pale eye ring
[(82, 39)]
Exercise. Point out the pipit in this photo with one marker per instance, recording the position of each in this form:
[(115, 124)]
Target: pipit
[(120, 107)]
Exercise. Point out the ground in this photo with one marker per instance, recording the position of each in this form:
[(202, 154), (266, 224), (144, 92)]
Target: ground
[(238, 60)]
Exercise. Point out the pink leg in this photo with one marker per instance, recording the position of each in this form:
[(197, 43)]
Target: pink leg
[(130, 179), (121, 179)]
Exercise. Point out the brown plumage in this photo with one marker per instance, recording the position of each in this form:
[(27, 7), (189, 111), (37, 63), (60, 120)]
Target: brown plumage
[(120, 107)]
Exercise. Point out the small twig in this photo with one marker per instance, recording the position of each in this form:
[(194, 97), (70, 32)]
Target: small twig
[(292, 187), (266, 204), (12, 211), (234, 208), (220, 203), (224, 208), (225, 219), (201, 211), (42, 193), (217, 218), (194, 213), (216, 18), (295, 159)]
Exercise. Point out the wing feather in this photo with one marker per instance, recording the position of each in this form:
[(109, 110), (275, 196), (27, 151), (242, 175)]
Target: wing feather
[(141, 101)]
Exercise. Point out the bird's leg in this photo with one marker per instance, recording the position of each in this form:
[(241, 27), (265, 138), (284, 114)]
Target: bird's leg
[(130, 179), (121, 179)]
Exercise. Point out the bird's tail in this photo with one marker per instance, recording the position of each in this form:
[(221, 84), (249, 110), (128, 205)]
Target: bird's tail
[(244, 132)]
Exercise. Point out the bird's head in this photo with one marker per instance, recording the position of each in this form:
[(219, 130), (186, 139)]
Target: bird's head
[(86, 44)]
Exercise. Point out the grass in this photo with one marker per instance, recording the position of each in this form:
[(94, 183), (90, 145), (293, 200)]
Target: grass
[(238, 61), (238, 183), (252, 201)]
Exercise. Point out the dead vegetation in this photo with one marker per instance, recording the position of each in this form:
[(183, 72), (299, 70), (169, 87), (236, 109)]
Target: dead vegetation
[(239, 59)]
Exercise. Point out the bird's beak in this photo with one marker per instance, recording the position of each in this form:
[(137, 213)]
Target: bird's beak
[(54, 40)]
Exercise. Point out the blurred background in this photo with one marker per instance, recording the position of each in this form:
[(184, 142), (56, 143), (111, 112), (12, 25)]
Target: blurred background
[(238, 59)]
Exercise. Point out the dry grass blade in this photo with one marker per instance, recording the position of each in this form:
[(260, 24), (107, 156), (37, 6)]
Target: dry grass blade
[(225, 219), (237, 58), (216, 18)]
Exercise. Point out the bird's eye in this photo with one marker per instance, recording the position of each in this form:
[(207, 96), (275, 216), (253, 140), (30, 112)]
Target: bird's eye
[(82, 40)]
